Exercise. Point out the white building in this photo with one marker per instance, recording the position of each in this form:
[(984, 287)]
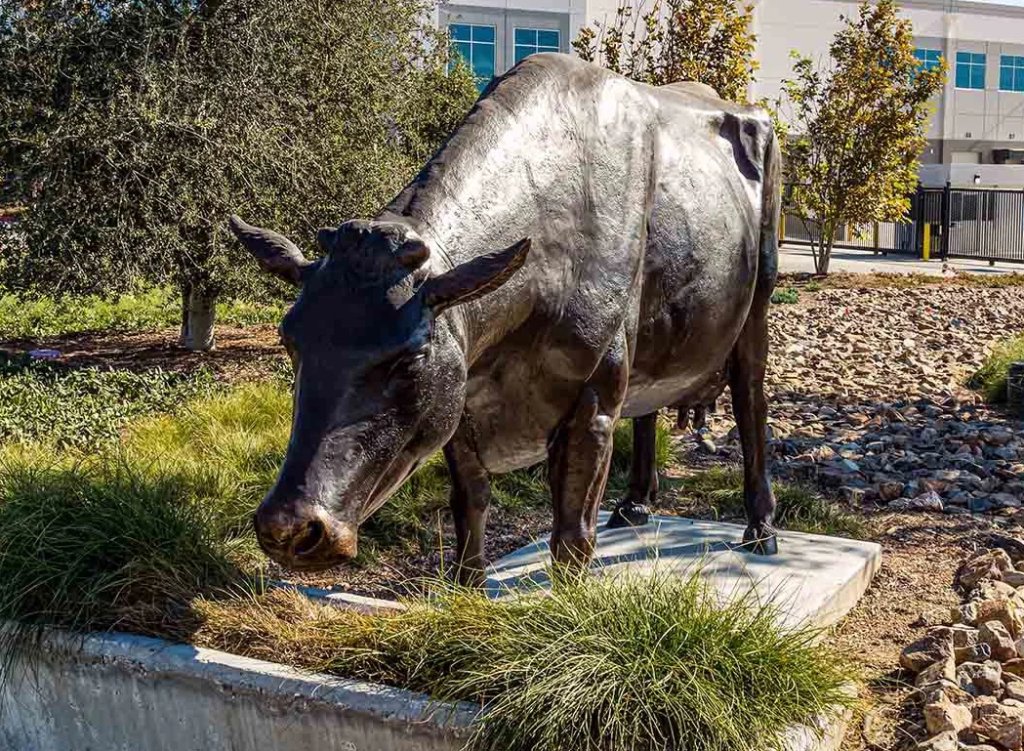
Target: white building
[(976, 135), (977, 132)]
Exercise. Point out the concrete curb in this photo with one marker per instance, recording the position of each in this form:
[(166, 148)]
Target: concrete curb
[(119, 692)]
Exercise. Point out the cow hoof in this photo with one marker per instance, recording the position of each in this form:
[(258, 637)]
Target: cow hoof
[(628, 514), (761, 541)]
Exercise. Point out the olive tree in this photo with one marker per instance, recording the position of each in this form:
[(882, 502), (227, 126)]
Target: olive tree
[(130, 129), (709, 41), (856, 126)]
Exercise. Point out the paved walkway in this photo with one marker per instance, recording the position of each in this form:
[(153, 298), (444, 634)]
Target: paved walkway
[(798, 258)]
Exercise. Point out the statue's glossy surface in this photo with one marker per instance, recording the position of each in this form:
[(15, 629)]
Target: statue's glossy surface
[(583, 248)]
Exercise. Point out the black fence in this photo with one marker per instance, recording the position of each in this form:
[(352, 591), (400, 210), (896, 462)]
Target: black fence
[(979, 223)]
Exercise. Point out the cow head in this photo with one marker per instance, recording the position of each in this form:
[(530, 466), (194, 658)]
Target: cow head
[(379, 386)]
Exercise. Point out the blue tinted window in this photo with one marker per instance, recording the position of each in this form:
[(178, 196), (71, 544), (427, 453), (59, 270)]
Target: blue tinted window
[(475, 44), (483, 61), (970, 70), (526, 36), (928, 59), (483, 34), (548, 39), (529, 41), (1011, 73)]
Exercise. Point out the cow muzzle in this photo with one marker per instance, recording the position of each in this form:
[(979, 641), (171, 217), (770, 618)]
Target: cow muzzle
[(304, 536)]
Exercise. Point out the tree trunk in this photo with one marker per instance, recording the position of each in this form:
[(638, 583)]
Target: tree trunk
[(828, 237), (197, 319)]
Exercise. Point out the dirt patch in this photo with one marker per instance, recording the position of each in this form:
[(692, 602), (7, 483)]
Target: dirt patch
[(242, 353), (914, 589), (400, 573)]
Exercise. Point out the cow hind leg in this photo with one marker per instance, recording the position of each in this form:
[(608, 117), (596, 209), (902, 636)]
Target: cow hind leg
[(634, 509), (579, 456), (746, 382)]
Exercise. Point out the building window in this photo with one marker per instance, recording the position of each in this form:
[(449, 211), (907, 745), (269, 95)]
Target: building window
[(476, 45), (970, 70), (529, 41), (1011, 73), (928, 59)]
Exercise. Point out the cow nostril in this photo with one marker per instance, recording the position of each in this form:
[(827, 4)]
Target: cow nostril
[(313, 535)]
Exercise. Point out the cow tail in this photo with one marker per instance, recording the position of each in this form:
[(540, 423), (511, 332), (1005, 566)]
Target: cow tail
[(771, 206)]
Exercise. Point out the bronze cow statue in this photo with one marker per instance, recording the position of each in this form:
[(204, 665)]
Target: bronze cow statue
[(582, 248)]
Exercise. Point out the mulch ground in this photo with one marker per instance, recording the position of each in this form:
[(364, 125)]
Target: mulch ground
[(241, 353)]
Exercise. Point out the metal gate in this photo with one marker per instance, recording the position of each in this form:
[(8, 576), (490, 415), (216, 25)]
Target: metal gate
[(979, 223)]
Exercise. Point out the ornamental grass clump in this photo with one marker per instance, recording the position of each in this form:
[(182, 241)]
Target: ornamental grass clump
[(990, 379), (600, 664), (102, 546)]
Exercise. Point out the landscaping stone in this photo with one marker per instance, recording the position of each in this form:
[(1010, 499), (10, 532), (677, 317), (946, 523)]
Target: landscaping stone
[(994, 635), (853, 406), (989, 564), (936, 645), (980, 679), (944, 742), (999, 723), (943, 716)]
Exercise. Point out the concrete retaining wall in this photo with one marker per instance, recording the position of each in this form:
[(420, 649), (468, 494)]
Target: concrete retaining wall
[(118, 692)]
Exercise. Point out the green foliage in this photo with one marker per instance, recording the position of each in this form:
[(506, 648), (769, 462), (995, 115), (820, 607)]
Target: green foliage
[(990, 378), (130, 130), (786, 296), (799, 508), (857, 128), (37, 317), (81, 407), (613, 663), (709, 41)]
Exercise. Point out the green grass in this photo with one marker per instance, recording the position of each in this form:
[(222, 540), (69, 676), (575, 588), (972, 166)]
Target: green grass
[(990, 379), (40, 317), (799, 508), (117, 536), (604, 663), (40, 401), (786, 296)]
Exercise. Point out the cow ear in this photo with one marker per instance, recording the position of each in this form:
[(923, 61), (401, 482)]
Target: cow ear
[(275, 253), (475, 278)]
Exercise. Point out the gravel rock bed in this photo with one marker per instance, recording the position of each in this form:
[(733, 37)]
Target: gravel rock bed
[(867, 397)]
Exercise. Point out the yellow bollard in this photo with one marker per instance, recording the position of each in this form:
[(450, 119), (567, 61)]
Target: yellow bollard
[(782, 226), (926, 253)]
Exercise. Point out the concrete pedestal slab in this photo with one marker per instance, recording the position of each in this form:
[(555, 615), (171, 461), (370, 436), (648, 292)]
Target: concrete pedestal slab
[(813, 580)]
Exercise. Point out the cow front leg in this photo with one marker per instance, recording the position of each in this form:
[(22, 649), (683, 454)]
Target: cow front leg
[(469, 500), (746, 381), (579, 457), (634, 509)]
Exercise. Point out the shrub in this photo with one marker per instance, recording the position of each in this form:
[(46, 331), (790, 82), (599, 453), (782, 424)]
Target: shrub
[(603, 663), (786, 296), (990, 379), (130, 130)]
